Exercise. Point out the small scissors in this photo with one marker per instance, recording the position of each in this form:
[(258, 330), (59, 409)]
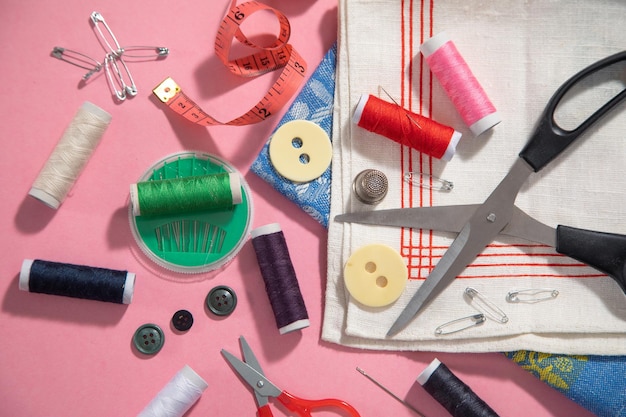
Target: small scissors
[(477, 225), (251, 372)]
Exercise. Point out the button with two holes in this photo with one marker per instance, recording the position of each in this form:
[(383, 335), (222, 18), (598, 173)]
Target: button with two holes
[(182, 320), (221, 300), (149, 339)]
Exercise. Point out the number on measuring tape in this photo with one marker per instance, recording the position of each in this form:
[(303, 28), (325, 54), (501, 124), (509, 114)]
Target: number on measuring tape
[(276, 56)]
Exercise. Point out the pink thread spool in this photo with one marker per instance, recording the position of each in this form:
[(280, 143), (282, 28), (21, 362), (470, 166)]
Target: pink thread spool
[(459, 83)]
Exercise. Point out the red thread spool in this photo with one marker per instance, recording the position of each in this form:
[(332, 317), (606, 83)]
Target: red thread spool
[(407, 128), (460, 85)]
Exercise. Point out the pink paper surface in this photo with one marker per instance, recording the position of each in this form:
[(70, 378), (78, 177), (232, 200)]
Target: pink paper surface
[(68, 357)]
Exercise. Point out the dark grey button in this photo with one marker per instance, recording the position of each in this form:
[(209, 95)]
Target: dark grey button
[(221, 300), (149, 339), (182, 320)]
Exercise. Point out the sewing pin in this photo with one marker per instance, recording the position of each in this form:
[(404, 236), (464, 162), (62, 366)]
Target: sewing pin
[(485, 306), (381, 386), (531, 295), (461, 324), (437, 183)]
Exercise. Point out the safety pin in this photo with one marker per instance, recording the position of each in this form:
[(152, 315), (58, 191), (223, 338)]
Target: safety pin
[(451, 326), (150, 51), (531, 295), (396, 103), (485, 306), (77, 59), (444, 185), (97, 19), (111, 61)]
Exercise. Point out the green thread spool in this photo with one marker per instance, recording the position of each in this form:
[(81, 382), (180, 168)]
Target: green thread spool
[(211, 192), (186, 240)]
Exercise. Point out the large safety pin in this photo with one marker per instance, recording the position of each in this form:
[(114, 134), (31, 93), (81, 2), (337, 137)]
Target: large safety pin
[(461, 324), (485, 306), (531, 295), (97, 19), (148, 52), (77, 59)]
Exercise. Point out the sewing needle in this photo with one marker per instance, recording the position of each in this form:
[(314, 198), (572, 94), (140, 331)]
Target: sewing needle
[(379, 385)]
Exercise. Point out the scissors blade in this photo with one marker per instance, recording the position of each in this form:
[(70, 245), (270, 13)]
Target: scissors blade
[(254, 378), (489, 219), (441, 218), (250, 358)]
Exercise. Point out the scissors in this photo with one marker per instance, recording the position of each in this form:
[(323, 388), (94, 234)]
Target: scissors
[(477, 225), (251, 372)]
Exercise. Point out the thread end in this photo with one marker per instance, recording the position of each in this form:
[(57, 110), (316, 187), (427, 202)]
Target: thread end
[(296, 325), (46, 198), (24, 283), (428, 371), (486, 123)]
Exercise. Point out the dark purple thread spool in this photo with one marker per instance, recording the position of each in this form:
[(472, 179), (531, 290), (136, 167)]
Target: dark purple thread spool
[(452, 393), (77, 281), (279, 275)]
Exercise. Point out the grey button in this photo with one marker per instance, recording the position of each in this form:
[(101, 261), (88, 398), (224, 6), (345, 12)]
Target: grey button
[(221, 300)]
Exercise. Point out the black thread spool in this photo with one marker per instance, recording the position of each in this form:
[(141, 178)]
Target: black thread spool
[(279, 275), (77, 281), (452, 393)]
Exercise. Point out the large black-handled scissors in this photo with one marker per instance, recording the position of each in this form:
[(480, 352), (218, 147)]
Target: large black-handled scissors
[(477, 225)]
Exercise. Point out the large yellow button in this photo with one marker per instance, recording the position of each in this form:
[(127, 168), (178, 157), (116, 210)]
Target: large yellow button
[(375, 275), (300, 151)]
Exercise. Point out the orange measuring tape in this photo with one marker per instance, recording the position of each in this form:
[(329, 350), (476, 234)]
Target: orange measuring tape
[(278, 55)]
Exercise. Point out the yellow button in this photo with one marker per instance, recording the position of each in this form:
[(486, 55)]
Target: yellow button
[(375, 275), (300, 151)]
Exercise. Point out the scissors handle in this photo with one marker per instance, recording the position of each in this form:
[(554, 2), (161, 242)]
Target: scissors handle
[(604, 251), (264, 411), (549, 139), (304, 408)]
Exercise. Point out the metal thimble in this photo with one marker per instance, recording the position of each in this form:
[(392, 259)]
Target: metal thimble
[(370, 186)]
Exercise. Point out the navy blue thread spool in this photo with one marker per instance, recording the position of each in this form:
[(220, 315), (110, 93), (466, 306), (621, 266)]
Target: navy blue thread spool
[(77, 281), (279, 275), (452, 393)]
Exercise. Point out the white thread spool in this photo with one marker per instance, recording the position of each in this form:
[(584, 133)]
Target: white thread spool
[(70, 156), (177, 397)]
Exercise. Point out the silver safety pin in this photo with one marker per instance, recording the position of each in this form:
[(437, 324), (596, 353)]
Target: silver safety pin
[(144, 51), (485, 306), (77, 59), (531, 295), (97, 19), (110, 65), (443, 185), (461, 324)]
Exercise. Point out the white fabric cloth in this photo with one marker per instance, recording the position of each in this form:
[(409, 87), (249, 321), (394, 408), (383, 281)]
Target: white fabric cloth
[(520, 52)]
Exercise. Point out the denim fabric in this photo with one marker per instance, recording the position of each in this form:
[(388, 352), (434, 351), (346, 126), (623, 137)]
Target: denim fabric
[(597, 383), (314, 103)]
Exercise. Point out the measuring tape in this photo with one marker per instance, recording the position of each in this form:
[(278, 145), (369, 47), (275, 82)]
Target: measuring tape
[(278, 55)]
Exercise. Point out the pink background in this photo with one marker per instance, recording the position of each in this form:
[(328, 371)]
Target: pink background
[(69, 357)]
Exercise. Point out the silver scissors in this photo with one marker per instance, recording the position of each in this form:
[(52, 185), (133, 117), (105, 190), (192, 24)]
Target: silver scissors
[(478, 224)]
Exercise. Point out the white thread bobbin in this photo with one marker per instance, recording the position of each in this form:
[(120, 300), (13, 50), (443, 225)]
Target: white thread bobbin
[(460, 84), (177, 397), (70, 156)]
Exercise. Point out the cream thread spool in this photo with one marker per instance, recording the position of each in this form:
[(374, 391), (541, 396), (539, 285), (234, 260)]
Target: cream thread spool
[(70, 156)]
